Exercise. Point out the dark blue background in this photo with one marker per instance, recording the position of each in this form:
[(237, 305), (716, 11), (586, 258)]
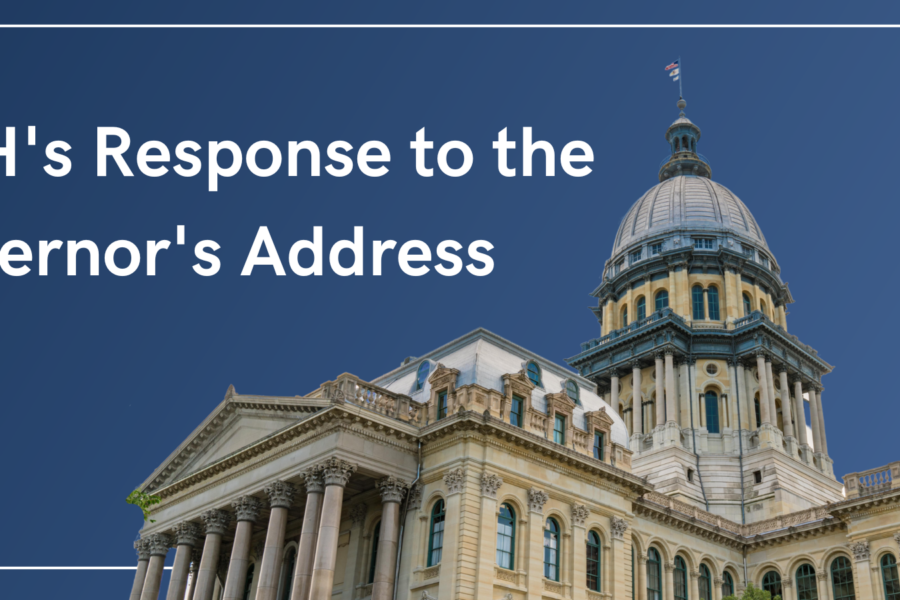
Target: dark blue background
[(104, 376)]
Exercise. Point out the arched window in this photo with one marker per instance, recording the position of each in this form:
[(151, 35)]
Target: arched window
[(376, 533), (422, 374), (662, 299), (641, 308), (748, 306), (705, 583), (712, 412), (756, 408), (436, 535), (762, 307), (534, 373), (677, 144), (290, 559), (772, 583), (551, 550), (697, 303), (890, 578), (713, 300), (248, 582), (806, 583), (624, 316), (654, 578), (681, 588), (727, 585), (593, 561), (572, 392), (506, 538), (842, 579)]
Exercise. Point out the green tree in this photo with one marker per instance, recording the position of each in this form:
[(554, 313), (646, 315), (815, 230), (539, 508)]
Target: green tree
[(753, 593), (143, 501)]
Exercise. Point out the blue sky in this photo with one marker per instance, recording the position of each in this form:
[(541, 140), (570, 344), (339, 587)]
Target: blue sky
[(104, 376)]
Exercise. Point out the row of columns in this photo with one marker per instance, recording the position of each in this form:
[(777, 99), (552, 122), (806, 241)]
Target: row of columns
[(314, 570)]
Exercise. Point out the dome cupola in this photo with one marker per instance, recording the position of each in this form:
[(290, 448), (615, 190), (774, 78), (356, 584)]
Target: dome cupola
[(683, 136)]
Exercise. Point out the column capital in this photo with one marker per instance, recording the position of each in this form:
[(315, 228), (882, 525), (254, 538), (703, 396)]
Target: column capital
[(336, 471), (216, 520), (313, 480), (761, 353), (618, 526), (795, 379), (782, 368), (455, 480), (280, 493), (669, 352), (159, 544), (143, 549), (695, 574), (635, 364), (392, 489), (188, 534), (615, 373), (821, 575), (897, 538), (860, 550), (658, 355), (537, 499), (814, 387), (580, 513), (414, 500), (669, 567), (358, 514), (787, 582), (490, 483), (247, 508), (718, 580), (196, 556)]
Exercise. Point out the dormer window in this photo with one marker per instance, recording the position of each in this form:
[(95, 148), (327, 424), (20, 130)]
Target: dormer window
[(422, 375), (636, 255), (656, 249), (704, 243), (572, 392), (534, 373)]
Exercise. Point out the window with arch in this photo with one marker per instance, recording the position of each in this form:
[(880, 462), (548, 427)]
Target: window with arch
[(727, 585), (697, 303), (748, 306), (436, 533), (534, 373), (842, 579), (290, 559), (516, 412), (593, 561), (712, 411), (376, 533), (551, 550), (757, 410), (573, 392), (641, 308), (654, 577), (680, 579), (771, 583), (248, 581), (624, 316), (705, 583), (762, 307), (713, 300), (422, 374), (506, 537), (890, 578), (662, 299), (806, 583)]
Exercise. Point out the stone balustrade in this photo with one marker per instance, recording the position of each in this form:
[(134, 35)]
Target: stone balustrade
[(866, 483), (352, 389)]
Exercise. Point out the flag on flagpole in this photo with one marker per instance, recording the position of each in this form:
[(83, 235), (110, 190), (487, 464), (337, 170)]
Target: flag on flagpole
[(674, 65), (674, 74)]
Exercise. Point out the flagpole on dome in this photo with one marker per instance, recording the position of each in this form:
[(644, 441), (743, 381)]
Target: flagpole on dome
[(680, 77)]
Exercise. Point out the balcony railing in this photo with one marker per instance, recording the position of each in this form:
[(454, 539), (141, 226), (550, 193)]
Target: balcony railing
[(352, 389), (637, 325), (873, 481), (680, 154)]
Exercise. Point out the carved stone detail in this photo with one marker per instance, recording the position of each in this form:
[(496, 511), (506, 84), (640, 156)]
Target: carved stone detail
[(187, 533), (246, 508), (860, 550), (312, 479), (427, 596), (897, 538), (216, 521), (392, 489), (669, 567), (143, 549), (159, 544), (336, 471), (358, 514), (280, 493), (580, 513), (490, 483), (537, 499), (618, 525), (414, 501), (455, 480)]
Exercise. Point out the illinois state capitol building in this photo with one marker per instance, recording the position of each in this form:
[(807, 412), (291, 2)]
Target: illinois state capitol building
[(675, 462)]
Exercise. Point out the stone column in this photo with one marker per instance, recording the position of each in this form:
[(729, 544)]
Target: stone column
[(196, 555), (695, 584), (187, 537), (614, 390), (770, 391), (281, 496), (143, 552), (159, 547), (717, 588), (309, 534), (668, 584), (487, 541), (246, 511), (335, 474), (357, 522), (615, 583), (785, 401), (640, 573), (660, 391), (216, 522), (637, 400), (580, 513), (534, 569), (763, 389), (392, 492), (824, 585), (799, 413), (822, 437), (746, 402), (814, 418), (670, 388)]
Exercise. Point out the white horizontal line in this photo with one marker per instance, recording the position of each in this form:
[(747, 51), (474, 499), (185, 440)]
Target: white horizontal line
[(471, 26), (72, 568)]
